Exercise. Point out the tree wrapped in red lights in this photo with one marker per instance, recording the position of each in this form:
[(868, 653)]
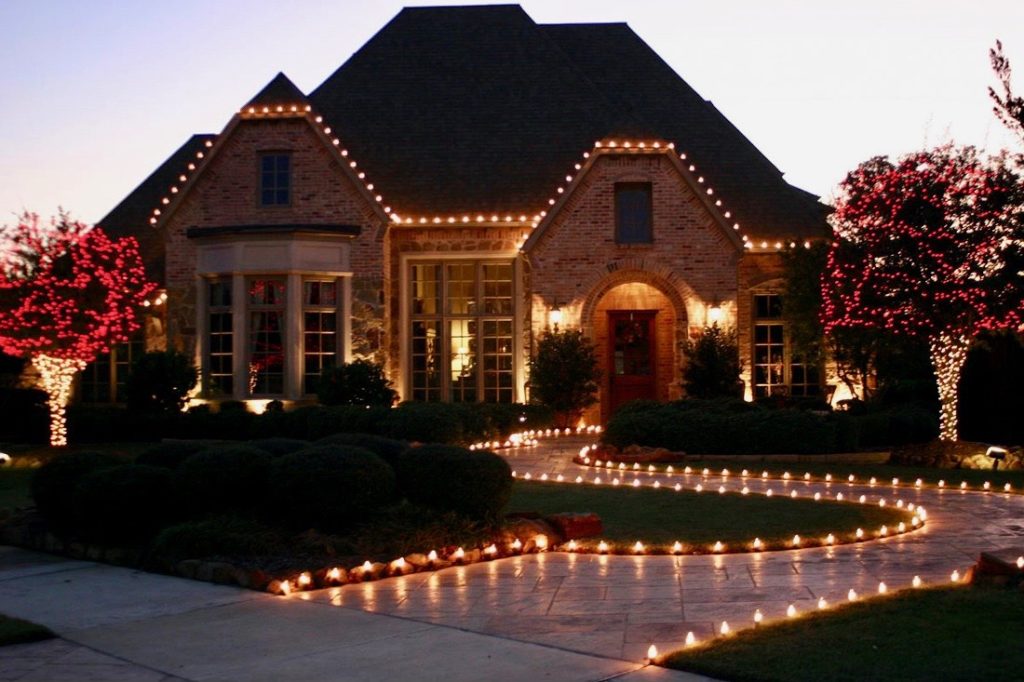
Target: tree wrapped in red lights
[(929, 246), (67, 293)]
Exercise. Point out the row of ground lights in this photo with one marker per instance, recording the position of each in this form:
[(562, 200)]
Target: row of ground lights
[(725, 630), (533, 437)]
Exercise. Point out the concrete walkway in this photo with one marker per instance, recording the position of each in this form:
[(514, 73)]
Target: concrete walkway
[(552, 616)]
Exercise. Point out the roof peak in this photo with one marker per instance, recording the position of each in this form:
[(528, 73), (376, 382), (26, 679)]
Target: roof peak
[(279, 91)]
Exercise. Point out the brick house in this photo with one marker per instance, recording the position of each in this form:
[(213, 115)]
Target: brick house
[(465, 180)]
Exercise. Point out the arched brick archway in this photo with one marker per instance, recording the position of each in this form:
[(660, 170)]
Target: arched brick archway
[(651, 295)]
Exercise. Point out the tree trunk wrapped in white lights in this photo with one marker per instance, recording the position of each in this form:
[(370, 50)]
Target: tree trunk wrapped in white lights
[(57, 376), (948, 355)]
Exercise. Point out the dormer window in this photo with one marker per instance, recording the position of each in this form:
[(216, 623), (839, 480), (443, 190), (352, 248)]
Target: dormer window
[(633, 209), (275, 179)]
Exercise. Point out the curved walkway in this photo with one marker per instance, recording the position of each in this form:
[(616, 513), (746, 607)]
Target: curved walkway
[(555, 615)]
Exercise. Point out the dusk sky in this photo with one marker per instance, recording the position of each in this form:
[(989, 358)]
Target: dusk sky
[(97, 94)]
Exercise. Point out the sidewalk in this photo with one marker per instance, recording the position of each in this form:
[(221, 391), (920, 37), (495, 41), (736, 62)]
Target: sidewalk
[(117, 624)]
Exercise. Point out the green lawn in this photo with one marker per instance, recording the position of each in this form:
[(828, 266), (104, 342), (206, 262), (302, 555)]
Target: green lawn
[(883, 472), (17, 631), (661, 517), (943, 633)]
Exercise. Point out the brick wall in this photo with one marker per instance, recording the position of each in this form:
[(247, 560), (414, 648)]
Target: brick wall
[(226, 193)]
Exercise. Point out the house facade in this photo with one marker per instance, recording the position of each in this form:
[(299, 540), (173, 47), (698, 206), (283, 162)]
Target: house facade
[(465, 181)]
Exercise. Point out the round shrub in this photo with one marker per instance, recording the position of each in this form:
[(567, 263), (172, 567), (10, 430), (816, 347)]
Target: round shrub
[(54, 484), (170, 454), (329, 487), (219, 536), (224, 478), (387, 449), (475, 483), (123, 504), (279, 446), (426, 422), (360, 382)]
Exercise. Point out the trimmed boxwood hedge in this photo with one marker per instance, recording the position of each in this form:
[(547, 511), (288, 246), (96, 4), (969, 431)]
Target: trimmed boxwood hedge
[(330, 487), (475, 483), (387, 449), (224, 478), (124, 504), (170, 454), (730, 427), (54, 485), (279, 446)]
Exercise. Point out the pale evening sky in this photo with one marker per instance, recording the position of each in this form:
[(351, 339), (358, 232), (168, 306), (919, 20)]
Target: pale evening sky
[(96, 94)]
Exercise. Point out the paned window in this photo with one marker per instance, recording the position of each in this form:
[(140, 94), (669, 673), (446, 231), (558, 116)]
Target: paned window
[(104, 379), (220, 341), (633, 209), (275, 179), (266, 336), (319, 329), (461, 331), (776, 369)]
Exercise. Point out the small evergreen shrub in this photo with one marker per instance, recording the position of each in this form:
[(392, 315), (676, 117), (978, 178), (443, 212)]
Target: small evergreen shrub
[(387, 449), (224, 479), (330, 487), (713, 365), (160, 382), (474, 483), (355, 383), (279, 446), (170, 454), (220, 536), (125, 504), (564, 373), (54, 485), (325, 421)]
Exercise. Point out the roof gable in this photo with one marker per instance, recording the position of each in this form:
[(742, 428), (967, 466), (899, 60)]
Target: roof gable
[(280, 91)]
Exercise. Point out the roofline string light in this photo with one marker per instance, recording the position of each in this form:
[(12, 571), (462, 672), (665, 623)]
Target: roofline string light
[(517, 219)]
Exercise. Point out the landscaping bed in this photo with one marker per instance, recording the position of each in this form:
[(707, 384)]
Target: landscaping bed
[(946, 633)]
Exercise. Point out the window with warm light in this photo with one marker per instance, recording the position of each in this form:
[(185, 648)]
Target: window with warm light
[(319, 330), (275, 179), (633, 213), (777, 370), (220, 339), (104, 379), (461, 331)]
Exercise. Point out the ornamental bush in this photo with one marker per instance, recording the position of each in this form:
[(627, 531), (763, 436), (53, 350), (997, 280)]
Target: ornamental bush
[(124, 504), (388, 449), (170, 454), (432, 423), (330, 487), (160, 382), (224, 478), (713, 365), (54, 485), (279, 446), (355, 383), (474, 483), (564, 374)]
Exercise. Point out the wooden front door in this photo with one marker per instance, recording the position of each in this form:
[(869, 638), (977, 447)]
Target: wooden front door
[(631, 361)]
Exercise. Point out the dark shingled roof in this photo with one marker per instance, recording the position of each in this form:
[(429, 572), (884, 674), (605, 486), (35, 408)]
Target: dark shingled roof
[(479, 109), (222, 230), (279, 91), (130, 218)]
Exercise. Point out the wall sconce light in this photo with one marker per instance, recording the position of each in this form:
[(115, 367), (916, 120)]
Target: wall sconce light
[(555, 317), (715, 313)]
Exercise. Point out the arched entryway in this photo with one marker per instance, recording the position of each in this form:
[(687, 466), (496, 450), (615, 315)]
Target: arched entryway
[(636, 328)]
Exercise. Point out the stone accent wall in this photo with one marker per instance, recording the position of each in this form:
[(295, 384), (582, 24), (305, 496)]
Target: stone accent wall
[(227, 193), (692, 262)]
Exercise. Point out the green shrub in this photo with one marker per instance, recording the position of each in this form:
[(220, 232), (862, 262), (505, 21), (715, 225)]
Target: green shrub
[(25, 415), (279, 446), (728, 427), (220, 536), (713, 365), (54, 485), (475, 483), (426, 422), (160, 382), (124, 504), (330, 487), (387, 449), (102, 423), (170, 454), (325, 421), (564, 373), (355, 383), (224, 478)]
